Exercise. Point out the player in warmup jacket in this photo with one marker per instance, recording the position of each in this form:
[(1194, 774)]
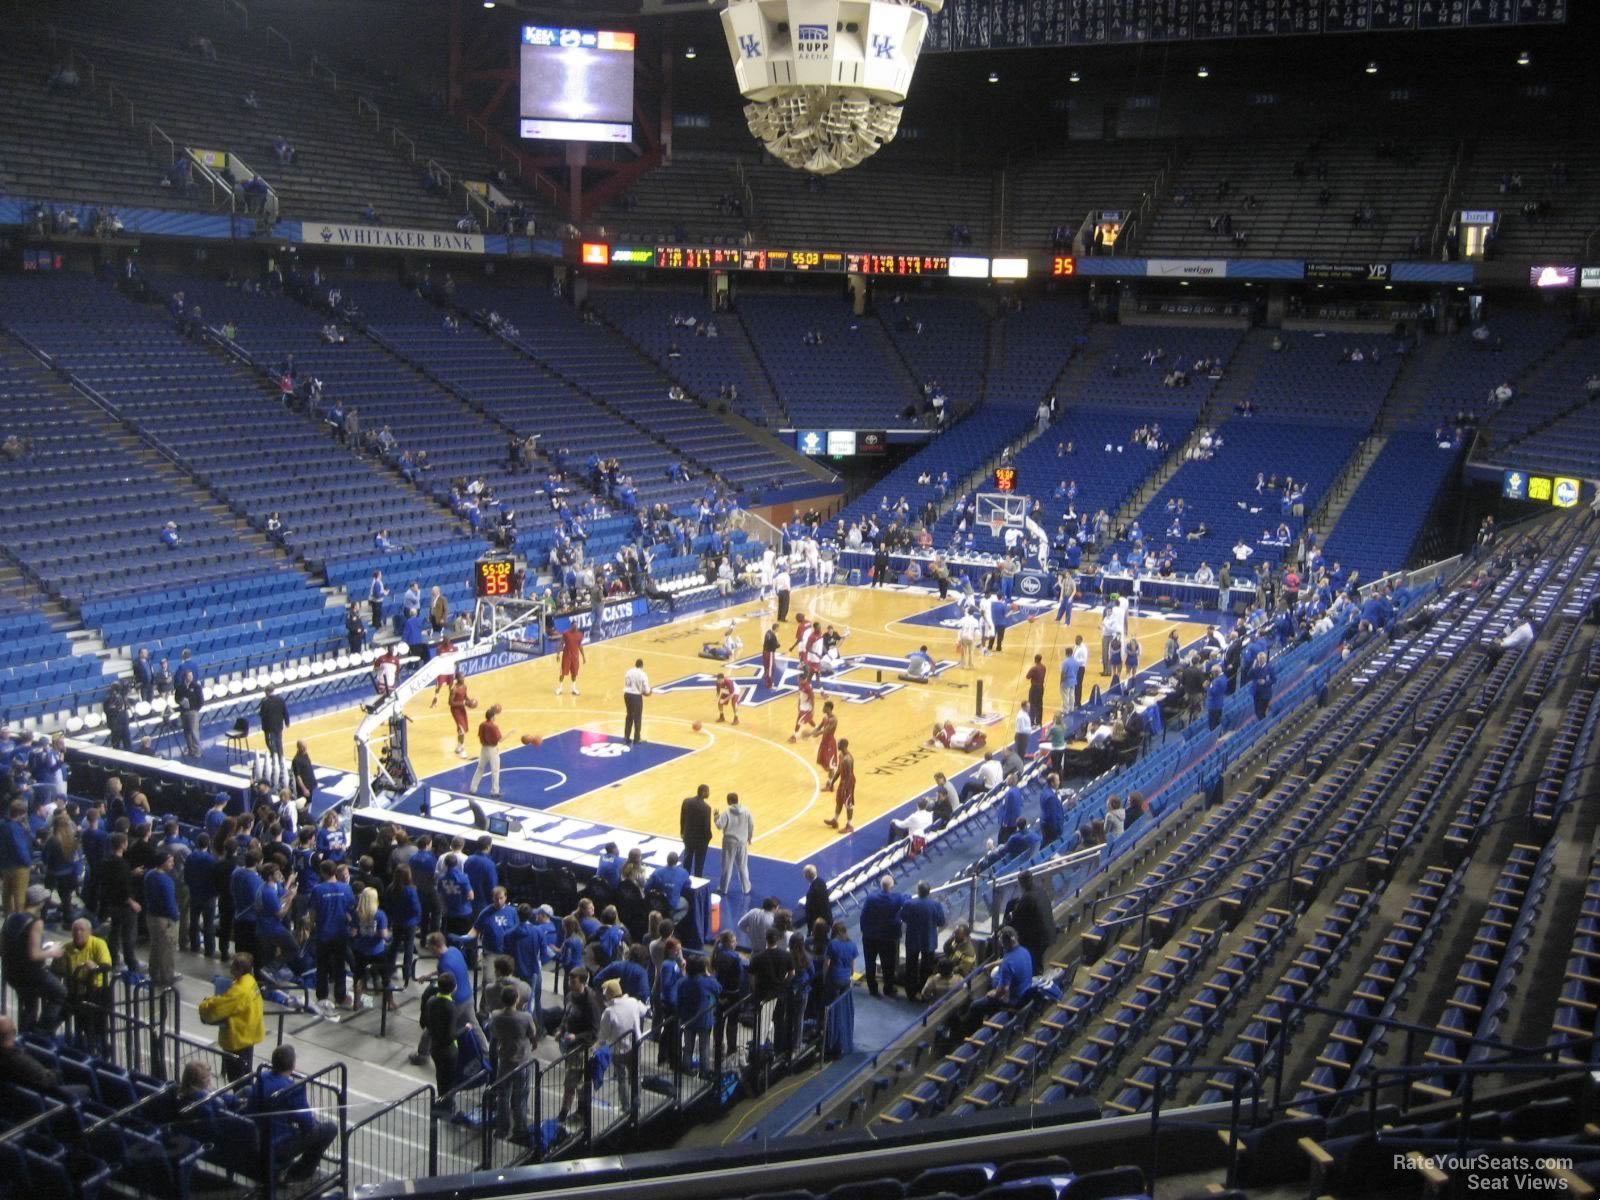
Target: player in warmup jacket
[(844, 794), (805, 714), (828, 749), (770, 645), (727, 697), (572, 655)]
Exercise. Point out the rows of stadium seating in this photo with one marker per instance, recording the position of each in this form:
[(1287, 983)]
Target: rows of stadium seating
[(1458, 373), (1574, 210), (593, 360), (1059, 187), (703, 364), (39, 673), (1123, 376), (682, 202), (1375, 533), (968, 444), (1287, 220), (854, 379), (223, 427), (341, 164), (1553, 423), (114, 570), (1309, 380), (1006, 1060), (66, 145), (940, 339), (865, 209), (1221, 491), (1029, 349), (1105, 463)]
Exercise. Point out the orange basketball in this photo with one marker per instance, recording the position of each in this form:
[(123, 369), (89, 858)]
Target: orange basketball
[(1031, 616), (697, 727), (531, 739)]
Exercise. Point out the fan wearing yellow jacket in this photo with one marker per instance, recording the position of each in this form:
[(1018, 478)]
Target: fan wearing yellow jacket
[(238, 1012)]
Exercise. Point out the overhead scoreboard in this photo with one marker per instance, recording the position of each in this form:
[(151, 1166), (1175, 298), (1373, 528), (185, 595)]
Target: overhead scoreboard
[(736, 258)]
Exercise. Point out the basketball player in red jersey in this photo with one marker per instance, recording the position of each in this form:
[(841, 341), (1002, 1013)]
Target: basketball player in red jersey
[(727, 697), (460, 701), (802, 632), (844, 796), (805, 715), (828, 748), (571, 655)]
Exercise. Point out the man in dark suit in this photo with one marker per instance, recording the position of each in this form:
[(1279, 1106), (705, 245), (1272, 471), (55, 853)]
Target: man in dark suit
[(144, 674), (274, 714), (694, 830), (818, 906), (305, 778)]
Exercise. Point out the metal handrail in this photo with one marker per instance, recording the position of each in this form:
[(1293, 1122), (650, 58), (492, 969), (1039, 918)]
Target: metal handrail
[(288, 48), (395, 136), (363, 105), (154, 131), (111, 97), (76, 57), (244, 13), (327, 71)]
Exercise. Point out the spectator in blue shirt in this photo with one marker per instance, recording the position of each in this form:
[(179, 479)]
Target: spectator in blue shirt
[(880, 934), (454, 964), (331, 905), (1023, 841), (609, 866), (481, 871), (369, 947), (16, 856), (1011, 803), (424, 864), (923, 917), (161, 918), (531, 945), (331, 839), (1262, 679), (672, 880), (696, 1008), (404, 909), (609, 939), (456, 896), (1052, 813), (244, 885), (299, 1137), (495, 922), (1010, 981), (632, 971), (1216, 695)]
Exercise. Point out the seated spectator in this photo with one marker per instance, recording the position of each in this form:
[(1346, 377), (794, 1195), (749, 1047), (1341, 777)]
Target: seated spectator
[(299, 1136), (249, 102), (371, 216), (170, 536)]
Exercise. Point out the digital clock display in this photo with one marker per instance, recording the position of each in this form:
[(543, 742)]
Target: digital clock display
[(1005, 479), (498, 577), (1062, 265)]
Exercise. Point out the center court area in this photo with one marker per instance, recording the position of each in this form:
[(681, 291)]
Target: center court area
[(583, 786)]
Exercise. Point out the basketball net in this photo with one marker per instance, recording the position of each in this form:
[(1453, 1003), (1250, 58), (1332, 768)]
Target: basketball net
[(998, 527)]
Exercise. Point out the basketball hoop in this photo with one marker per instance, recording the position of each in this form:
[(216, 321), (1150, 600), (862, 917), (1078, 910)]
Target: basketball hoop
[(998, 527)]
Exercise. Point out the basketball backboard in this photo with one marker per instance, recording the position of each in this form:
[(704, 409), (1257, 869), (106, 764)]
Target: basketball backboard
[(1001, 511)]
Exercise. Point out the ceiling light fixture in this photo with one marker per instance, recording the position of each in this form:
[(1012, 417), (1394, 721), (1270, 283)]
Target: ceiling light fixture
[(994, 76), (1372, 68), (1074, 78), (1204, 73), (688, 52), (1524, 59)]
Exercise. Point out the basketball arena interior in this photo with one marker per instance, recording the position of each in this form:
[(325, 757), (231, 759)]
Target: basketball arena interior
[(799, 599)]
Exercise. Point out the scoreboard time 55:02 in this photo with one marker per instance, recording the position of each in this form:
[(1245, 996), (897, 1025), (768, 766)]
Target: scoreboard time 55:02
[(496, 578)]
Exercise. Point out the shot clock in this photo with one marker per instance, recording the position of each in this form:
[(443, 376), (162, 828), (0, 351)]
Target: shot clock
[(498, 578), (1005, 479)]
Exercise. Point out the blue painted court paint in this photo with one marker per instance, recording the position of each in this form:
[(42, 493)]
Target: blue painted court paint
[(855, 682), (947, 616), (566, 766)]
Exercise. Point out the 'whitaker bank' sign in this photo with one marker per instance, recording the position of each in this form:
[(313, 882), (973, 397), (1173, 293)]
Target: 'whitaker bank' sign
[(382, 237)]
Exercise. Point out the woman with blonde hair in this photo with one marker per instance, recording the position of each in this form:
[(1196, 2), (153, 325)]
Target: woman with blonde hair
[(369, 945)]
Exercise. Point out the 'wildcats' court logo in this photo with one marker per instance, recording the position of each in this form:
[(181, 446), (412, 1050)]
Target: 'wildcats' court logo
[(850, 683)]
